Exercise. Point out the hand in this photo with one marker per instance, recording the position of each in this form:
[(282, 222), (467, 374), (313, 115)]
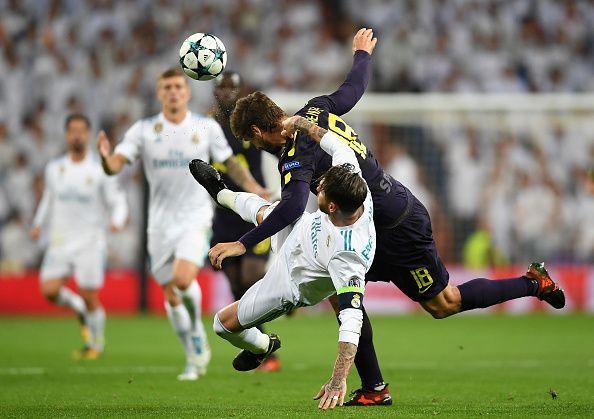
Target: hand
[(34, 233), (332, 394), (103, 145), (364, 41), (222, 251), (290, 125)]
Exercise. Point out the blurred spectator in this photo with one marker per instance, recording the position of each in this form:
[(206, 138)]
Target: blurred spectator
[(53, 64)]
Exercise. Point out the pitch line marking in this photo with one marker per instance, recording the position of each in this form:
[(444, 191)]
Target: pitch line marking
[(142, 369)]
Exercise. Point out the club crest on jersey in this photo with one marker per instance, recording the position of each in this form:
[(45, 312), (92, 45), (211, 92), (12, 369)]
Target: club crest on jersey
[(158, 127), (356, 301), (62, 169), (195, 138), (89, 181), (290, 165)]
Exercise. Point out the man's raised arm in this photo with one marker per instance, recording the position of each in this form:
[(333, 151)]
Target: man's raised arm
[(351, 90)]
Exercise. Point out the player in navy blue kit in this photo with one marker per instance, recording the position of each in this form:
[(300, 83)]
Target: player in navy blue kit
[(406, 253), (244, 271)]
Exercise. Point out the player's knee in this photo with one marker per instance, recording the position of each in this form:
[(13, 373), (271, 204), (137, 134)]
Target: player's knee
[(50, 292), (218, 326), (182, 282), (444, 304)]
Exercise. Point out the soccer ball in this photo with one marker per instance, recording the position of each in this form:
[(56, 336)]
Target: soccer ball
[(202, 56)]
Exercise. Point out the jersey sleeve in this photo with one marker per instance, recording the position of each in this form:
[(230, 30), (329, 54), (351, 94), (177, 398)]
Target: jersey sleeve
[(298, 162), (131, 146), (347, 272), (341, 153), (351, 90), (218, 145), (43, 210)]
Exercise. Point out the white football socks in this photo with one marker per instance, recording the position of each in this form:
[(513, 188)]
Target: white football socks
[(96, 323), (244, 204), (192, 298), (182, 324), (251, 339), (68, 298)]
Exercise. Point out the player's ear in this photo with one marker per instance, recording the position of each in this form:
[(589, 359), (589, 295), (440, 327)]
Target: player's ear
[(332, 207), (256, 131)]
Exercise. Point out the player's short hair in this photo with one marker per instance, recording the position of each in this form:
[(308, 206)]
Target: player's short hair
[(173, 72), (344, 187), (255, 109), (234, 76), (77, 117)]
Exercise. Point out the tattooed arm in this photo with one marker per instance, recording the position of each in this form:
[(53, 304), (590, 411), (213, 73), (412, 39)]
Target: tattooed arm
[(332, 393), (242, 177), (299, 123)]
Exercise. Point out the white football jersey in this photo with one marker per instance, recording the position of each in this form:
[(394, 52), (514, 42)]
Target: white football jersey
[(323, 258), (76, 201), (177, 202)]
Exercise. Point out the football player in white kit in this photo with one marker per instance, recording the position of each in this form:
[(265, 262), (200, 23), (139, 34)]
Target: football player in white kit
[(180, 212), (325, 252), (75, 199)]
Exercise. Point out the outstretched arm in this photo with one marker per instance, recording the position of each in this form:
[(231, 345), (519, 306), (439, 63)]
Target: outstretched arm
[(112, 163), (351, 90), (332, 393)]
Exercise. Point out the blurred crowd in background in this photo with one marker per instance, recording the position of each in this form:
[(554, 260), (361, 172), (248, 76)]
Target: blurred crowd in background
[(497, 195)]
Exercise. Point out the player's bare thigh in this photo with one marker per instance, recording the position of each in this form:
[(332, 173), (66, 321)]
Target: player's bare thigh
[(184, 272), (444, 304)]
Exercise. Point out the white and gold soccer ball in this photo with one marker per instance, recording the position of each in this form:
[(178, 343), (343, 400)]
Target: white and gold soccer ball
[(203, 56)]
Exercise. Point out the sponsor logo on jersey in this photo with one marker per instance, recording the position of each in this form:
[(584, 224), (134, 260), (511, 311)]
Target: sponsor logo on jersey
[(290, 165), (356, 301), (316, 227)]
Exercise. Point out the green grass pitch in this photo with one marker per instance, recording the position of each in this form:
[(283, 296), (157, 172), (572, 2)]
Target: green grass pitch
[(467, 366)]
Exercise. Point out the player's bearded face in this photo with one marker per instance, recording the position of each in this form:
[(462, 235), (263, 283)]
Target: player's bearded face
[(272, 142), (77, 136), (173, 93)]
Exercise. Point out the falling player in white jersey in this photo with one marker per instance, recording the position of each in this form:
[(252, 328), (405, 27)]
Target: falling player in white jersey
[(180, 212), (75, 199), (325, 252)]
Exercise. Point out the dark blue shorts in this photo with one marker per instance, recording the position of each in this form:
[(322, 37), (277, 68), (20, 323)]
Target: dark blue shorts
[(229, 227), (407, 256)]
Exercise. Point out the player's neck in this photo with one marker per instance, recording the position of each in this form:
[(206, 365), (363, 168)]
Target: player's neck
[(175, 115), (341, 220), (77, 156)]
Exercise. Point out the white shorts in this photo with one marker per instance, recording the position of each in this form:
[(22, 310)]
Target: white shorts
[(269, 298), (191, 245), (86, 263)]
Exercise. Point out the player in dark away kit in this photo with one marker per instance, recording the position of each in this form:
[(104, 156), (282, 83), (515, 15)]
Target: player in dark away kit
[(244, 271), (406, 254)]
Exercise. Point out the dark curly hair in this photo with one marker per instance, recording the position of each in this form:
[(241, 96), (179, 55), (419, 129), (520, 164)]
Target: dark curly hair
[(255, 109), (344, 187)]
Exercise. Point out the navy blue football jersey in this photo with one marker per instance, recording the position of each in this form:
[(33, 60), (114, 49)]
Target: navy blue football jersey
[(303, 159)]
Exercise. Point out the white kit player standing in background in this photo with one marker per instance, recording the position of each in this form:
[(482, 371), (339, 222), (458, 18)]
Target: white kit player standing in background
[(180, 211), (322, 253), (75, 199)]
